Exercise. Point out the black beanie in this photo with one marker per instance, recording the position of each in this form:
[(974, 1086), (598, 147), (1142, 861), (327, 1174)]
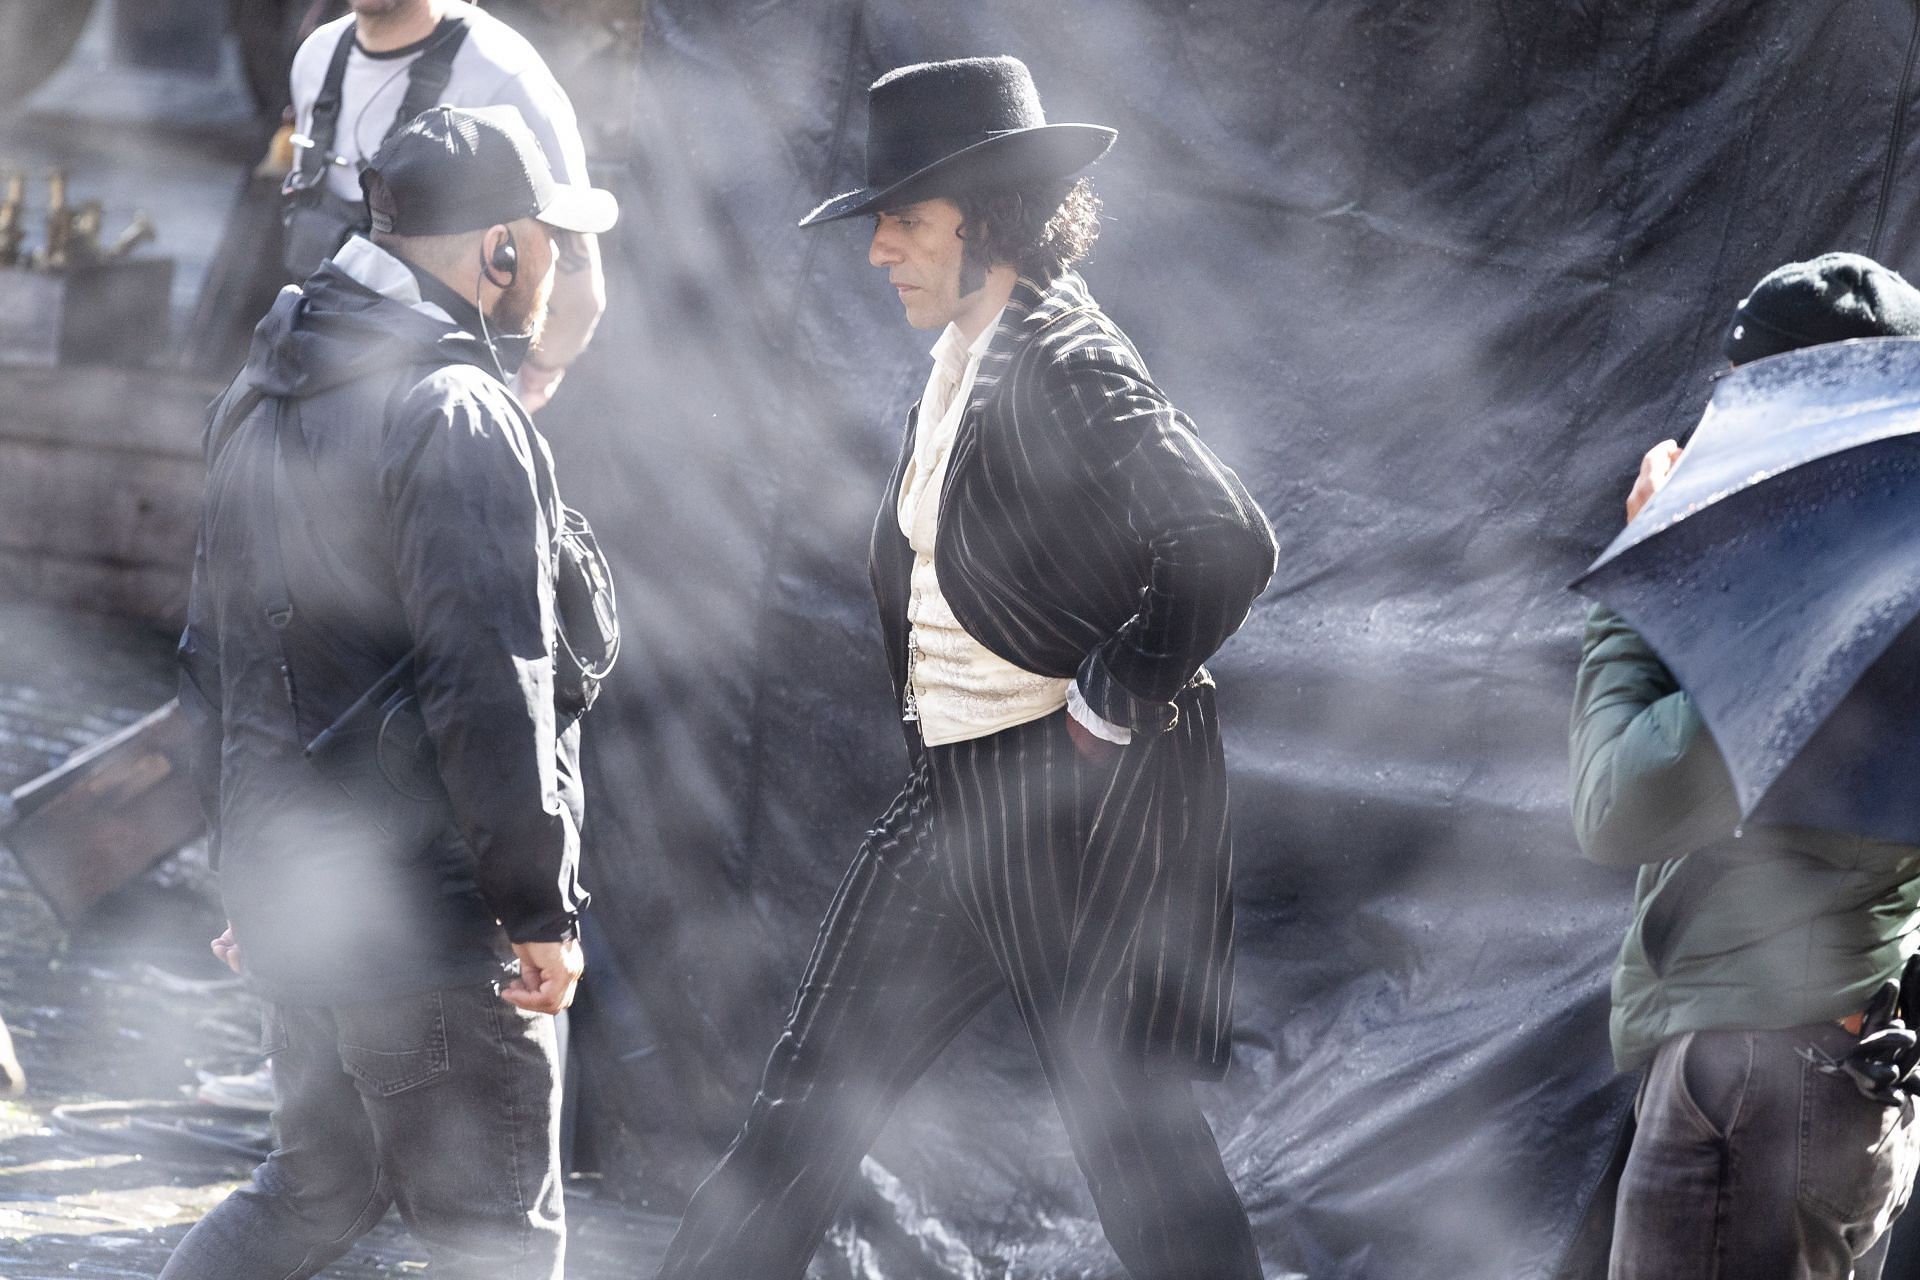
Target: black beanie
[(1834, 297)]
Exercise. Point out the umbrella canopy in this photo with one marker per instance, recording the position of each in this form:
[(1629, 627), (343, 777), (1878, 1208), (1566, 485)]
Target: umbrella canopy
[(1777, 574)]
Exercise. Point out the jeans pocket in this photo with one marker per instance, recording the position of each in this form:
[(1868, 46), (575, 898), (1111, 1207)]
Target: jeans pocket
[(1711, 1073), (391, 1046), (1857, 1156)]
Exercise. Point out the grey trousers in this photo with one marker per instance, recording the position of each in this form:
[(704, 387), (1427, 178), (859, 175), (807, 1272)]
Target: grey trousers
[(1750, 1162), (445, 1103)]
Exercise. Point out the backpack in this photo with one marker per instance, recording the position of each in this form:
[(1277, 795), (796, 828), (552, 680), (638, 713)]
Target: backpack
[(383, 734)]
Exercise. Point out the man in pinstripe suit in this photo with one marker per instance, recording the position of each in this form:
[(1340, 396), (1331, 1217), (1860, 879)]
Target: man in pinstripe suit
[(1056, 557)]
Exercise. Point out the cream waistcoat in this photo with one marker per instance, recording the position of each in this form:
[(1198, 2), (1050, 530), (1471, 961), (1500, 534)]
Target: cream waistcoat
[(956, 687)]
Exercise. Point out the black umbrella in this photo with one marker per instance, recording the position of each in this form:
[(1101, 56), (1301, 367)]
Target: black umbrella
[(1778, 576)]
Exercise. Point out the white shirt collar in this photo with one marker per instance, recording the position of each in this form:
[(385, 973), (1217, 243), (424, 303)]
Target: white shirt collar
[(953, 356)]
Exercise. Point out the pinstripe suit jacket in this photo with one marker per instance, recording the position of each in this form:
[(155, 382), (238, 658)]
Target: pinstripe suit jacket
[(1086, 532)]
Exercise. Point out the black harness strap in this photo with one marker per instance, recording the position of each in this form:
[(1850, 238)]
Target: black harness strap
[(427, 80), (325, 125)]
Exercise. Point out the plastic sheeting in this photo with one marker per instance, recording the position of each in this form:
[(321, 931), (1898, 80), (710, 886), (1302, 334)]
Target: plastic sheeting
[(1431, 276)]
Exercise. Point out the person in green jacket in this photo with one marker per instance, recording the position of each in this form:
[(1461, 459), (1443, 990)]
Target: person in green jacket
[(1753, 950)]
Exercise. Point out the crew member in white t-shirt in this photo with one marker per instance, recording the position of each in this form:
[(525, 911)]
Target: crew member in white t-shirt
[(493, 65)]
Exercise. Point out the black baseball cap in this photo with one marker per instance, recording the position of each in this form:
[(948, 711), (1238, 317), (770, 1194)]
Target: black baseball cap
[(454, 169)]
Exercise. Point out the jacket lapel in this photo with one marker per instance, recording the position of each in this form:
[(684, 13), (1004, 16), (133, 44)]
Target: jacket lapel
[(1030, 309)]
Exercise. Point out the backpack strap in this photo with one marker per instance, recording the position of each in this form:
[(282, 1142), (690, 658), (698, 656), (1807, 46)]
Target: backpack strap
[(276, 601), (221, 427), (428, 76)]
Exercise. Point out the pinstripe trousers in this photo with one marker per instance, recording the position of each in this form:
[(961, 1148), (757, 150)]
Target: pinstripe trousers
[(964, 889)]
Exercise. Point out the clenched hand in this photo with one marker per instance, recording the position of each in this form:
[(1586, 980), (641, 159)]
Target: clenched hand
[(549, 972)]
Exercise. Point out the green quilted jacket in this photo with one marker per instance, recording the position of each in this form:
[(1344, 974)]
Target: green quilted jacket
[(1756, 927)]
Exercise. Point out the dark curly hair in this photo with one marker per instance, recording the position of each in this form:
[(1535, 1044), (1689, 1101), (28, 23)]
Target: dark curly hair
[(1041, 230)]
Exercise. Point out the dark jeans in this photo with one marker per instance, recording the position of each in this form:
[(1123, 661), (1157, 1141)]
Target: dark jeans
[(445, 1104), (1749, 1161)]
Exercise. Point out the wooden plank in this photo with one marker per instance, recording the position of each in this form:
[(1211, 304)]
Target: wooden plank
[(111, 811), (100, 487), (116, 507), (151, 594), (111, 408)]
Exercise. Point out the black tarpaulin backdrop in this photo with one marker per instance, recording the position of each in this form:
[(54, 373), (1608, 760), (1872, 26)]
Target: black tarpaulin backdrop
[(1431, 276)]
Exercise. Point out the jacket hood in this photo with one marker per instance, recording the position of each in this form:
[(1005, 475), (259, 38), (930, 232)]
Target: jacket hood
[(332, 330)]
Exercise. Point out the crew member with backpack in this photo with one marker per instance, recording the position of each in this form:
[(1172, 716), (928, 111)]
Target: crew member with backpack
[(394, 628)]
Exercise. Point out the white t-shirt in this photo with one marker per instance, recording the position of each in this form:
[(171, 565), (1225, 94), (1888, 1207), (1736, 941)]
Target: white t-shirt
[(494, 67)]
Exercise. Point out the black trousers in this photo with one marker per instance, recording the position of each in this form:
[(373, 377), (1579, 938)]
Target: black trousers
[(967, 887)]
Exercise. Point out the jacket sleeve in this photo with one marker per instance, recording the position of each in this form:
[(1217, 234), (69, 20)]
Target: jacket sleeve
[(471, 522), (1649, 784), (1209, 550)]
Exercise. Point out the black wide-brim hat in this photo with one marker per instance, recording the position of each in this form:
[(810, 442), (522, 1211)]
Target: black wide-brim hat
[(973, 123)]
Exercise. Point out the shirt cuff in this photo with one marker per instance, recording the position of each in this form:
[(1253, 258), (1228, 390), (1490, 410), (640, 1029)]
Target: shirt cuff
[(1091, 721)]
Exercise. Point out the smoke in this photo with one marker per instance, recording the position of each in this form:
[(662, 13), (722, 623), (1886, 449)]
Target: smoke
[(1273, 307), (1430, 278)]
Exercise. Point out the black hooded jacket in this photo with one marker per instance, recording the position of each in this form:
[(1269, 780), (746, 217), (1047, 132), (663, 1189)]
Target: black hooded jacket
[(412, 506)]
